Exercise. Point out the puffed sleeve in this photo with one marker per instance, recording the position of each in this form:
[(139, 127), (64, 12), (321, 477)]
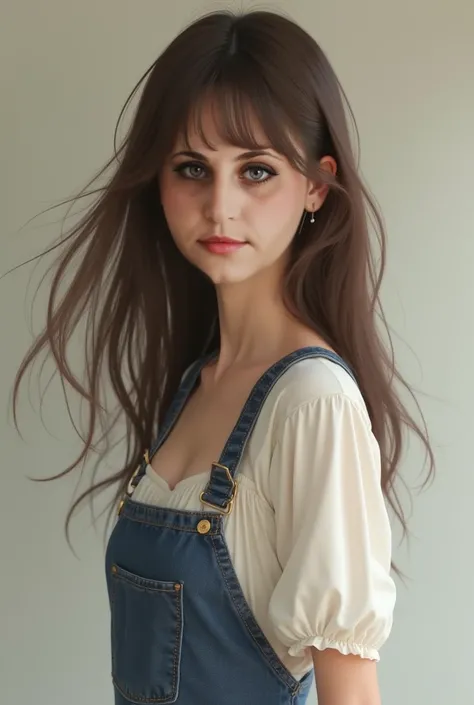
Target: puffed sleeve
[(332, 531)]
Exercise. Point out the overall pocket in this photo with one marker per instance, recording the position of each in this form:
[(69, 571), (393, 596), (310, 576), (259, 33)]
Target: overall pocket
[(147, 633)]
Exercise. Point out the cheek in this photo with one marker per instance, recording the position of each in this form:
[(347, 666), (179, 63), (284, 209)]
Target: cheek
[(176, 204), (281, 208), (171, 197)]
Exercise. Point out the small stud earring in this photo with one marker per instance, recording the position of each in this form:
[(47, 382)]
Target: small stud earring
[(313, 220)]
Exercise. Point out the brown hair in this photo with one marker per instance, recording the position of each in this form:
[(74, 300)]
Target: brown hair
[(148, 313)]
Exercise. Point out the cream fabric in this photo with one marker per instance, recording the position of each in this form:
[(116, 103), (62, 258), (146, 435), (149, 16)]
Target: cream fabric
[(309, 535)]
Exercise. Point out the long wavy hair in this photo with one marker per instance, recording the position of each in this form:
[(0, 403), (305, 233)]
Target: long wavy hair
[(148, 313)]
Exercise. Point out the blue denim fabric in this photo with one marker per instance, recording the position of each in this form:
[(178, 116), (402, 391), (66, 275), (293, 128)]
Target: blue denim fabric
[(182, 631)]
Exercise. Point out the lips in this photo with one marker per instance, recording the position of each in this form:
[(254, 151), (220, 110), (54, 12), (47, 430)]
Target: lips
[(223, 240), (220, 245)]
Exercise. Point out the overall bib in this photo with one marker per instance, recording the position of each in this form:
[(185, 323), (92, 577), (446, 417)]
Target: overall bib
[(182, 631)]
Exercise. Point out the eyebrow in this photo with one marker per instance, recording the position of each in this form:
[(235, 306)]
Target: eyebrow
[(241, 157)]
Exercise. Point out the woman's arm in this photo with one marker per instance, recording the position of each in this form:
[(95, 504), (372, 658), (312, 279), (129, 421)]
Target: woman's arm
[(335, 594), (345, 679)]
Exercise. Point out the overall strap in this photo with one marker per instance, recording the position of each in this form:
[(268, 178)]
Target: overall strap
[(187, 385), (221, 488)]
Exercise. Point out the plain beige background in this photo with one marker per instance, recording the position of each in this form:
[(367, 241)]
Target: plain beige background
[(408, 70)]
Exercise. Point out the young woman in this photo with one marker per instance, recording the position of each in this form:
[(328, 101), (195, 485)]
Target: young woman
[(230, 299)]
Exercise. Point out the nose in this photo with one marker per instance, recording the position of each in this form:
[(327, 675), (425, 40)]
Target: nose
[(222, 200)]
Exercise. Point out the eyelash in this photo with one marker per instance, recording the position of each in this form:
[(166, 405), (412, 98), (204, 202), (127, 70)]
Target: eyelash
[(180, 169)]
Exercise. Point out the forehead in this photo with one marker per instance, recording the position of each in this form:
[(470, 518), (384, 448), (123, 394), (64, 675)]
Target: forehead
[(210, 125)]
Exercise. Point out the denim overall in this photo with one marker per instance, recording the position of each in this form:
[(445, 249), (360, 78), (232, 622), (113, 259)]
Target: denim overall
[(182, 631)]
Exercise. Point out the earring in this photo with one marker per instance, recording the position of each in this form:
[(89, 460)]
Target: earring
[(313, 220)]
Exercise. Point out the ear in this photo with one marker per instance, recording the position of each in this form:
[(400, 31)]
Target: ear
[(317, 191)]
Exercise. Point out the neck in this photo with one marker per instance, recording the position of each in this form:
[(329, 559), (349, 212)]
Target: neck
[(255, 326)]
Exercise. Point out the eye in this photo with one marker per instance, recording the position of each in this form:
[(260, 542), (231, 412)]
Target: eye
[(253, 173), (190, 170), (259, 174)]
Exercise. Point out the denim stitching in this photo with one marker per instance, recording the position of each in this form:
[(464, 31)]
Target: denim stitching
[(249, 621), (171, 526), (268, 380), (112, 625), (179, 640), (231, 455), (136, 698), (233, 450), (304, 681), (137, 506), (150, 521), (178, 597)]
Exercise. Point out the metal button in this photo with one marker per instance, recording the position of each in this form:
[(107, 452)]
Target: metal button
[(204, 526), (177, 587), (114, 569)]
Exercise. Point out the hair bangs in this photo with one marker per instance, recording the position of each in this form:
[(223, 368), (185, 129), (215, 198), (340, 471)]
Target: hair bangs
[(244, 114)]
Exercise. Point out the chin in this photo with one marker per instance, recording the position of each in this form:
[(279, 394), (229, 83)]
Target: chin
[(223, 273), (226, 278)]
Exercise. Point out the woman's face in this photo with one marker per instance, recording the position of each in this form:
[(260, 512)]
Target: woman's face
[(255, 199)]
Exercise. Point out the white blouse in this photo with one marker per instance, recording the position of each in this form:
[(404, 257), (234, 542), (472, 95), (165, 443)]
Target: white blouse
[(309, 534)]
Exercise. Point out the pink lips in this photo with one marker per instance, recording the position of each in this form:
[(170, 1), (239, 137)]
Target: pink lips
[(222, 245)]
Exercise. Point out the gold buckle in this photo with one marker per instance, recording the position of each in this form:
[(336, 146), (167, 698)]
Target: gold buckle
[(130, 490), (230, 503)]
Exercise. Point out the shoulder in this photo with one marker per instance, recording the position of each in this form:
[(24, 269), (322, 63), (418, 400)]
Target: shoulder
[(316, 386), (313, 418)]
